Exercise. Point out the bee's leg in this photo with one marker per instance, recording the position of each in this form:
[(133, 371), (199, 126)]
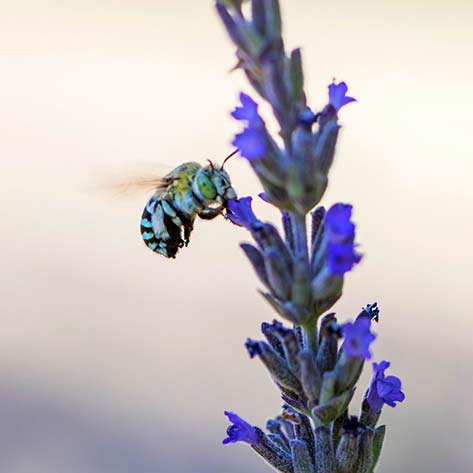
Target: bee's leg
[(209, 214), (188, 227)]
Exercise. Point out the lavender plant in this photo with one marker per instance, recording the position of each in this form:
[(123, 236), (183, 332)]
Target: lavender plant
[(315, 362)]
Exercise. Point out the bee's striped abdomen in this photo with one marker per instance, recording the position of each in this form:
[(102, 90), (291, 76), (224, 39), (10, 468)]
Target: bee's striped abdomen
[(161, 227)]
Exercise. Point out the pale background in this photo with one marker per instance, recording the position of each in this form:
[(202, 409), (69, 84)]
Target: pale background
[(113, 359)]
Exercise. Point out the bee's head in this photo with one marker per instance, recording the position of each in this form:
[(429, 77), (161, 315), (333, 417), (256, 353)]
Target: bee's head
[(212, 183)]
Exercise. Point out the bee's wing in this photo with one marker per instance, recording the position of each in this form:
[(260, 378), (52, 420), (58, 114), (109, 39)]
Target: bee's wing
[(129, 181), (156, 184)]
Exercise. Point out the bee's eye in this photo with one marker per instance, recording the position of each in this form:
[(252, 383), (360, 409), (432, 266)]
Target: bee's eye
[(206, 187)]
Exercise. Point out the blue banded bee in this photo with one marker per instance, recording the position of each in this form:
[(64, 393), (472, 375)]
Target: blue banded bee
[(188, 191)]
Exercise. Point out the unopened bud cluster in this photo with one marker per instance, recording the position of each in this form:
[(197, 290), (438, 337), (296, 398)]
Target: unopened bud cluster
[(294, 177)]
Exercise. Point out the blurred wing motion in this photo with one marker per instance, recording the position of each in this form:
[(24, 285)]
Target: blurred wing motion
[(141, 177)]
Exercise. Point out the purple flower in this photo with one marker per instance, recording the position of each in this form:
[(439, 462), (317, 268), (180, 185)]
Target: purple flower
[(340, 236), (240, 431), (337, 95), (383, 389), (358, 338), (341, 257), (248, 111), (240, 212), (252, 143), (338, 224)]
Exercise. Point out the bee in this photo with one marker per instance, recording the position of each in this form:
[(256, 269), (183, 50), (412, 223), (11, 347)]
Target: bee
[(188, 191)]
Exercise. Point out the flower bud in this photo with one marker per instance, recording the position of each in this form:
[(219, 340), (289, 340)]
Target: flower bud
[(276, 365), (329, 410), (310, 377), (347, 450), (305, 433), (364, 463), (347, 371), (328, 349), (301, 460), (296, 314), (317, 229), (324, 454), (257, 261), (278, 441), (287, 226), (272, 453), (290, 347), (279, 273), (324, 149), (274, 426), (269, 331)]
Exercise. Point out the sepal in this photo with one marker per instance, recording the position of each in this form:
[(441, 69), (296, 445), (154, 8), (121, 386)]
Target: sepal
[(301, 459), (365, 452), (378, 439), (257, 261), (272, 453), (328, 343), (324, 454), (310, 377), (275, 364), (330, 410)]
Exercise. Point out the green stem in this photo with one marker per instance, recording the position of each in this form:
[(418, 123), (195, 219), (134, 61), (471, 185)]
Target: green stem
[(311, 337), (299, 230)]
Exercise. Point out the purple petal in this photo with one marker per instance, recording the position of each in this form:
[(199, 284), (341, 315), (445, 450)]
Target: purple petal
[(239, 431), (337, 95), (248, 111), (241, 213), (251, 143)]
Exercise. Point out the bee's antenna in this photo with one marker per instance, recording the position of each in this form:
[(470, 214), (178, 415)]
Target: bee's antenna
[(229, 156), (211, 163)]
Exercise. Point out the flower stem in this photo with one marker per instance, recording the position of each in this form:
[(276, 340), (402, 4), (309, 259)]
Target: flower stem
[(299, 230), (311, 337)]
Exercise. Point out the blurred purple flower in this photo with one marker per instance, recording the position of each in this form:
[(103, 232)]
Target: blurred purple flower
[(340, 235), (337, 95), (341, 257), (240, 431), (252, 143), (383, 389), (358, 338), (338, 224), (248, 111)]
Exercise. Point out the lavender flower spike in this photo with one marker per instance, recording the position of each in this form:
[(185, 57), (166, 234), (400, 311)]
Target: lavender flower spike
[(337, 95), (302, 272), (358, 338), (240, 431)]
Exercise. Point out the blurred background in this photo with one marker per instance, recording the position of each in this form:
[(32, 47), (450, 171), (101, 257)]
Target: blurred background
[(113, 359)]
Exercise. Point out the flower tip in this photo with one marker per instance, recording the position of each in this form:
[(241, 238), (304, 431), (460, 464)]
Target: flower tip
[(239, 431), (337, 95)]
